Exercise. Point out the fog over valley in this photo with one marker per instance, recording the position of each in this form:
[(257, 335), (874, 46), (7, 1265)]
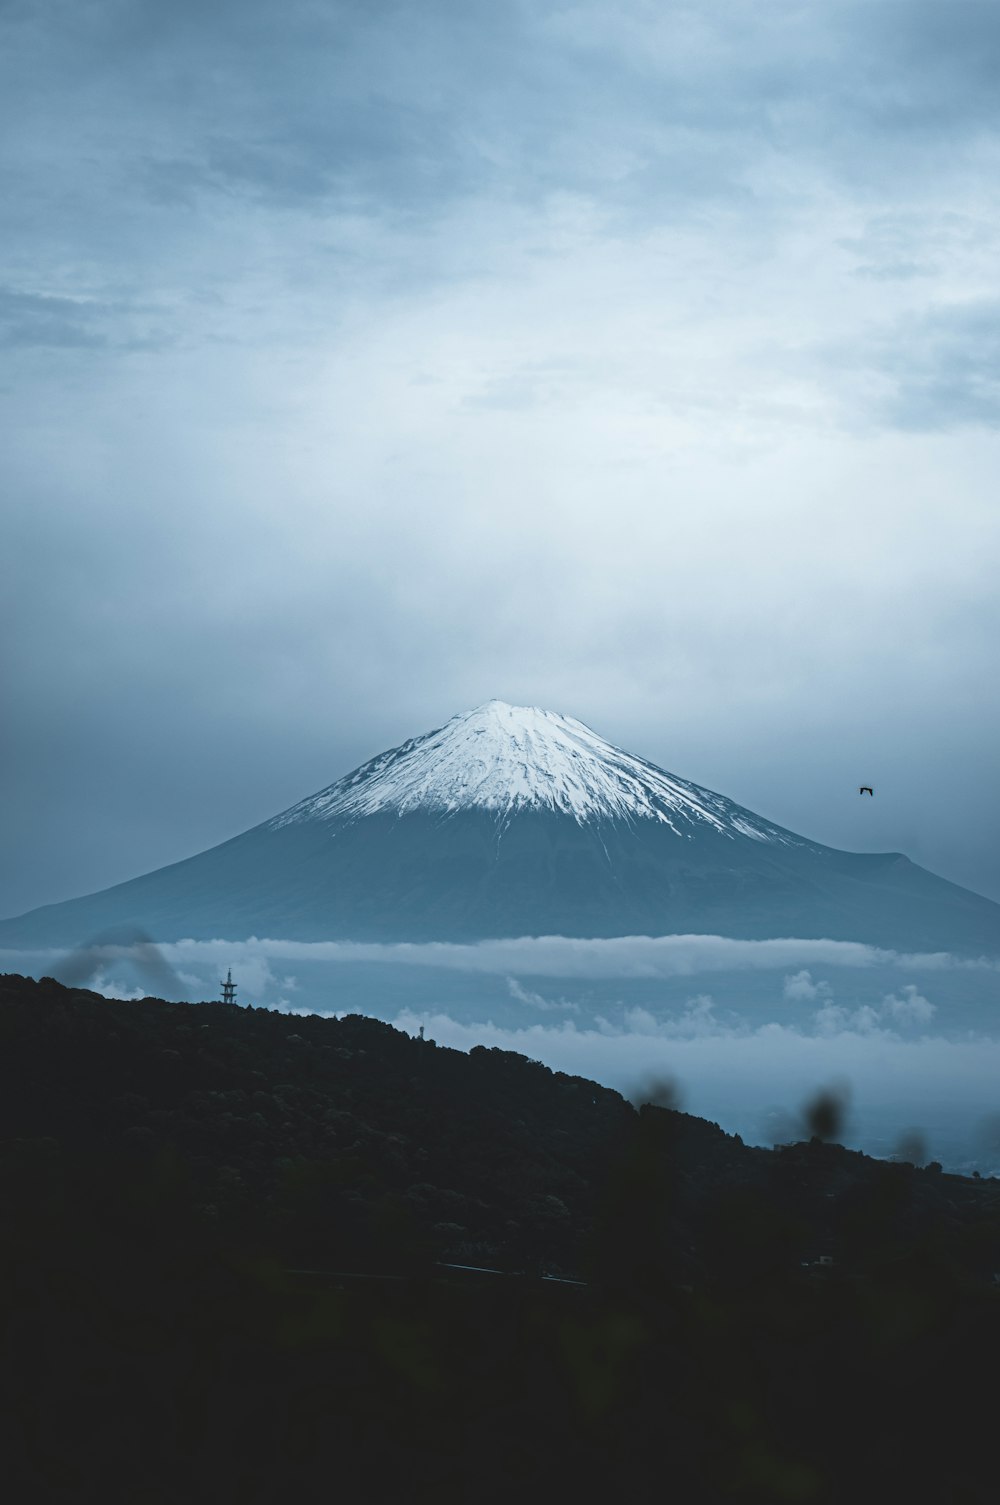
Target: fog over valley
[(745, 1031)]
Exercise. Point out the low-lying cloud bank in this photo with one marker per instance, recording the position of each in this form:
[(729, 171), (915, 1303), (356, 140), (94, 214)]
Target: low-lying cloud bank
[(622, 1056), (635, 956), (564, 956)]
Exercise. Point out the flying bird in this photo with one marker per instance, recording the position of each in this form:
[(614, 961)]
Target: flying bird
[(867, 789)]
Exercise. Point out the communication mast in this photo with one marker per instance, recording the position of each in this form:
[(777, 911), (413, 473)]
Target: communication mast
[(229, 988)]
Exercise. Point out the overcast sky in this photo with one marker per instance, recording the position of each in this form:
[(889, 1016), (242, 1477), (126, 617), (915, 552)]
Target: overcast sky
[(360, 362)]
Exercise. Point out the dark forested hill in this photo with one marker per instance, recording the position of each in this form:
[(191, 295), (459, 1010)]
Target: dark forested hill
[(344, 1142), (229, 1270)]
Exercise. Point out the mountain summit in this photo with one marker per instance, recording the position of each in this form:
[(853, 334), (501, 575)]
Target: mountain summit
[(511, 821), (511, 758)]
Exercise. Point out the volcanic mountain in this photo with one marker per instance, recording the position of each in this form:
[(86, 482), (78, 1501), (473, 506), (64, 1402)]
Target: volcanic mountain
[(512, 821)]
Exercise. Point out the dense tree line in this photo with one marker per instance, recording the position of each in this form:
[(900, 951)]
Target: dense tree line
[(225, 1275)]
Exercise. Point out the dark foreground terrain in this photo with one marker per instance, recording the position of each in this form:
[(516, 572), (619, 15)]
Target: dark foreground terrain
[(235, 1268)]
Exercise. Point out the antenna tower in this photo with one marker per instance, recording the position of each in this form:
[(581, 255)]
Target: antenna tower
[(229, 988)]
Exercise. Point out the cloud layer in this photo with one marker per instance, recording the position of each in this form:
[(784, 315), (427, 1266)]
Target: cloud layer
[(639, 956)]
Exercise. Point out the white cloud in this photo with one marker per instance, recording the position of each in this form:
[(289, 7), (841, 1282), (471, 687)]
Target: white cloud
[(831, 1019), (563, 957), (537, 1001), (800, 988), (696, 1019), (260, 977), (108, 988), (908, 1006)]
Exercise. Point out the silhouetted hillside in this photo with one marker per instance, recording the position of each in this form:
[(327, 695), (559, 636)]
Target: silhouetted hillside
[(226, 1277), (338, 1141)]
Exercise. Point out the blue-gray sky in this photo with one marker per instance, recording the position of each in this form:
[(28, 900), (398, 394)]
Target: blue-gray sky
[(362, 361)]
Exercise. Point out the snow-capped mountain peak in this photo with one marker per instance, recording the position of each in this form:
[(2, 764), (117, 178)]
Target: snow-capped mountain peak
[(506, 758), (510, 822)]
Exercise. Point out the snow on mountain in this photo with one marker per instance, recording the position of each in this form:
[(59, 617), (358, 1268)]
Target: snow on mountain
[(507, 758), (509, 822)]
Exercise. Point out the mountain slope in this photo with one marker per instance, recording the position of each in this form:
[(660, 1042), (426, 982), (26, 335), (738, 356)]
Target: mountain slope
[(508, 759), (514, 821)]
